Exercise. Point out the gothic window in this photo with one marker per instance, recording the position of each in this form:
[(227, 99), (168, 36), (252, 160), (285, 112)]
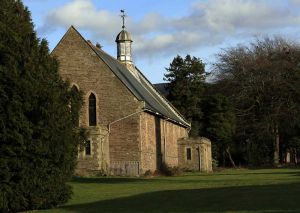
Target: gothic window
[(88, 148), (75, 97), (92, 110), (188, 154)]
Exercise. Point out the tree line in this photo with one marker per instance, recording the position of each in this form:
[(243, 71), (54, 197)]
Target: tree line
[(250, 107)]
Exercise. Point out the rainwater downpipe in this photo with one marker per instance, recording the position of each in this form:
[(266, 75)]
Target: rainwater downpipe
[(165, 139)]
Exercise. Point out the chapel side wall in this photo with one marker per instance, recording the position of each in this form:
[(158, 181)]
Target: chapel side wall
[(159, 139), (124, 136), (80, 65), (171, 133), (150, 139)]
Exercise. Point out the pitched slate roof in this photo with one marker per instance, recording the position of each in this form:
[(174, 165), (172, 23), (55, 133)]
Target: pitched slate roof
[(141, 88)]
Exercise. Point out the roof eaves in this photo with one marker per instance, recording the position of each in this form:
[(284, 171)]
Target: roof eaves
[(166, 117), (164, 99)]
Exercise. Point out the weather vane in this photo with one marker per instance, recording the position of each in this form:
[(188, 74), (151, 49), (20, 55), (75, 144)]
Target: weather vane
[(123, 17)]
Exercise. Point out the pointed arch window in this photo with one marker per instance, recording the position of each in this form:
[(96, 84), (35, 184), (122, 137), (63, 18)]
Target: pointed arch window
[(92, 110), (75, 99)]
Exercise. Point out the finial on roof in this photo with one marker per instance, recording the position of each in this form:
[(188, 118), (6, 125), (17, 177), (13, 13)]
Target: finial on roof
[(123, 18), (98, 45)]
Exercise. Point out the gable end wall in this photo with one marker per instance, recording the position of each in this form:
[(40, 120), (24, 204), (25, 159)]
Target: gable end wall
[(81, 66)]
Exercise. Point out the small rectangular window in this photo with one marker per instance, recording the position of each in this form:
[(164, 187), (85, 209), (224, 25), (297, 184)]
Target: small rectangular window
[(88, 148), (188, 154)]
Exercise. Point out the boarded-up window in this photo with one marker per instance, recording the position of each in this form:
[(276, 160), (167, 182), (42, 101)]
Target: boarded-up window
[(188, 154), (92, 110)]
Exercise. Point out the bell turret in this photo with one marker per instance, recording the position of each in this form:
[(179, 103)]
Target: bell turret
[(123, 39)]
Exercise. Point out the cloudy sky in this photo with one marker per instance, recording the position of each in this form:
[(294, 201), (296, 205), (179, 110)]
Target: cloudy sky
[(162, 29)]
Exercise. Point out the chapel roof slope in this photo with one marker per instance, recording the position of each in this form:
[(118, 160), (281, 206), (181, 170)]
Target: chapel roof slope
[(142, 89)]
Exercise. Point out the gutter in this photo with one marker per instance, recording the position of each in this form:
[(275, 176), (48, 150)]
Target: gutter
[(169, 119)]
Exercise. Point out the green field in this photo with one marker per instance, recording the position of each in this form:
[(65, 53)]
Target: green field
[(262, 190)]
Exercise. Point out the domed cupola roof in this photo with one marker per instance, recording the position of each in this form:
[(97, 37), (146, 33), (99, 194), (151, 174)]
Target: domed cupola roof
[(123, 36)]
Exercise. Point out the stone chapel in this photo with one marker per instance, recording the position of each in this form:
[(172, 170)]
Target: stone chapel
[(132, 127)]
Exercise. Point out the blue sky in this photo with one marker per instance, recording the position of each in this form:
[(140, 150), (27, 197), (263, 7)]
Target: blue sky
[(163, 29)]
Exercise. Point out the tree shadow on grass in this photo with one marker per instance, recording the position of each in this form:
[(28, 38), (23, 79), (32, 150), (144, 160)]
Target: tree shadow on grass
[(266, 198), (122, 180), (107, 180), (258, 173)]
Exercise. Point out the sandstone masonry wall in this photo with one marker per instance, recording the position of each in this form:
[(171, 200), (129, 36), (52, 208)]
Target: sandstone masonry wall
[(82, 67), (149, 141), (159, 139), (98, 161), (171, 133), (201, 158), (125, 140)]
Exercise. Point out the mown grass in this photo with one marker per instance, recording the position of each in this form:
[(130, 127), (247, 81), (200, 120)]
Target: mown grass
[(261, 190)]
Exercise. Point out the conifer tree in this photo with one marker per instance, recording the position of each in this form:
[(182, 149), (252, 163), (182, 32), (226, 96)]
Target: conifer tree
[(219, 125), (186, 84), (38, 136)]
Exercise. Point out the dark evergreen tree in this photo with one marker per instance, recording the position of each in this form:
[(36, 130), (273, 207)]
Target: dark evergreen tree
[(38, 136), (186, 84), (219, 125)]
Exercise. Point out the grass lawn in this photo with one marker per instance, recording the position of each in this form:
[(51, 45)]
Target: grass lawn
[(262, 190)]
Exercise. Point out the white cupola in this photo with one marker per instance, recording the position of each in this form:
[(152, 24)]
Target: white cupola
[(123, 39)]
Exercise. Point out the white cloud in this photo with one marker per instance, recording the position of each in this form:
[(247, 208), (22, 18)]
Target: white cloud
[(208, 23), (151, 22), (83, 14), (233, 15)]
